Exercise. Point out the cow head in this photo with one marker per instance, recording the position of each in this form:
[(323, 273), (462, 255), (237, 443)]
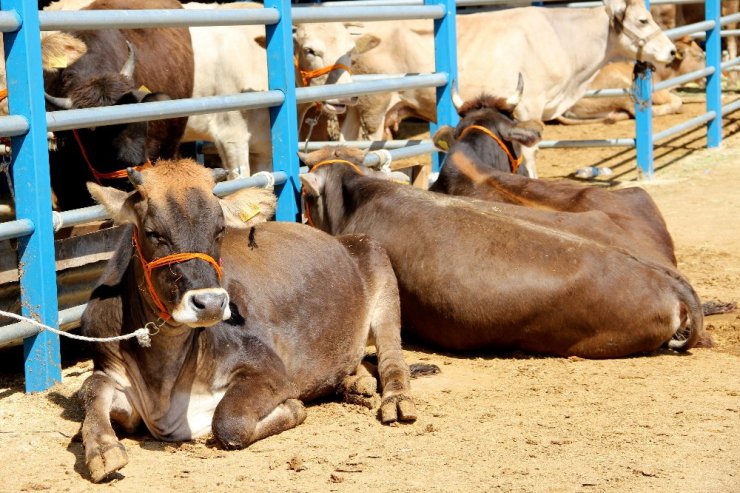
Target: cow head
[(636, 34), (689, 58), (496, 116), (175, 211), (323, 54)]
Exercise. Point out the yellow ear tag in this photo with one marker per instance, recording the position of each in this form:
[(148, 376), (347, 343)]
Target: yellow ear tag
[(442, 144), (145, 89), (249, 212), (59, 61)]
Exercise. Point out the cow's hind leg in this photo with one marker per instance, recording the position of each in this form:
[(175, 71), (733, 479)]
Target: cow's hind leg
[(255, 406), (104, 454), (361, 387)]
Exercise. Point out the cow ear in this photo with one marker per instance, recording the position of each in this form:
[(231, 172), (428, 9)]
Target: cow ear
[(312, 184), (59, 50), (444, 138), (155, 96), (365, 43), (615, 9), (527, 133), (114, 201), (248, 207), (261, 40)]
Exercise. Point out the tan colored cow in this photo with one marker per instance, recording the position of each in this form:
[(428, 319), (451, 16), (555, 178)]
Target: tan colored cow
[(558, 51), (618, 75)]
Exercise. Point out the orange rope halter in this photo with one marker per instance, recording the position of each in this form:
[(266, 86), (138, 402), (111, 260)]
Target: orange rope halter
[(513, 162), (3, 94), (307, 75), (105, 176), (168, 260), (324, 163)]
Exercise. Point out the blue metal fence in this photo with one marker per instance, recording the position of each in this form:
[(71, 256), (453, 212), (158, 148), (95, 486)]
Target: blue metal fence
[(27, 125)]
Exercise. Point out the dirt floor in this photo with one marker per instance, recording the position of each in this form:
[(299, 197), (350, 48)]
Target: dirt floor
[(663, 422)]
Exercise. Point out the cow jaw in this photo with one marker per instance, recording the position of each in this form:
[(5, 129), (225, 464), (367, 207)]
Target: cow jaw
[(202, 307)]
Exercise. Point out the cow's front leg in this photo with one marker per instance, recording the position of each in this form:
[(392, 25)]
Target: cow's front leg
[(104, 454), (255, 406)]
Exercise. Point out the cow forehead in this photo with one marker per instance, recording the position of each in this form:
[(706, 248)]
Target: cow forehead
[(178, 183), (333, 36)]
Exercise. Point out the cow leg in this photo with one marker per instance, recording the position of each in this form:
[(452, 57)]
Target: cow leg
[(666, 103), (104, 454), (361, 387), (231, 137), (255, 406)]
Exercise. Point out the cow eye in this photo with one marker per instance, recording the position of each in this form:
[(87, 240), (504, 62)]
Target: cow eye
[(220, 234), (309, 52), (155, 237), (643, 22)]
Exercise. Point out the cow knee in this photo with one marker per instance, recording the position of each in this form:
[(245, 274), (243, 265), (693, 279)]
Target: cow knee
[(234, 432)]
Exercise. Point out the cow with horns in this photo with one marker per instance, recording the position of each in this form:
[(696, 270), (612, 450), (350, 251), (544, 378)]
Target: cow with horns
[(238, 346), (115, 67), (514, 277)]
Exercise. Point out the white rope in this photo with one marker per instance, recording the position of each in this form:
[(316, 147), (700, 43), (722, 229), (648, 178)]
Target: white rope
[(57, 220), (385, 158), (268, 176), (143, 335)]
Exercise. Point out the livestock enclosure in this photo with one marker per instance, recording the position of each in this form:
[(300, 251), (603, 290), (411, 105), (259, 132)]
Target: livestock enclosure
[(517, 423)]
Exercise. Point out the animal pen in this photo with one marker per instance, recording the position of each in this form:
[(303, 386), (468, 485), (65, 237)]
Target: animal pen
[(38, 258)]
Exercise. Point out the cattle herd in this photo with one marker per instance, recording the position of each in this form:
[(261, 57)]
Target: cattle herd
[(251, 318)]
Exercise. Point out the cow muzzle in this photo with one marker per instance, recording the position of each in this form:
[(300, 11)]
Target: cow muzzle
[(339, 106), (203, 307)]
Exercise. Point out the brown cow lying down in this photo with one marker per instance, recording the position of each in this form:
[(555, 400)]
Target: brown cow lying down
[(287, 323), (478, 275), (478, 166), (618, 75)]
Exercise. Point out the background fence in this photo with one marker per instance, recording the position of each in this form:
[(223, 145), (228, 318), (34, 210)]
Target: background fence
[(28, 124)]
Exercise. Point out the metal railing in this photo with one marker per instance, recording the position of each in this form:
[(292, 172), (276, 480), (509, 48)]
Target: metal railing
[(28, 124)]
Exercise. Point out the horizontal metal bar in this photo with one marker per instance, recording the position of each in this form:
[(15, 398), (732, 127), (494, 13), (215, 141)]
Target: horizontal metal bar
[(552, 144), (231, 186), (678, 32), (16, 229), (725, 33), (68, 319), (683, 79), (365, 144), (687, 125), (729, 19), (92, 117), (322, 93), (607, 93), (372, 77), (401, 153), (730, 107), (13, 125), (377, 13), (126, 19), (730, 63), (9, 21)]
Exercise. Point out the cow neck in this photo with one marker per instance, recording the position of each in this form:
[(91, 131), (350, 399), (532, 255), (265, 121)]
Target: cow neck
[(355, 168), (514, 163), (591, 46), (114, 175), (149, 266)]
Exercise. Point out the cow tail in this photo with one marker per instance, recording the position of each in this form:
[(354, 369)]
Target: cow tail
[(690, 331)]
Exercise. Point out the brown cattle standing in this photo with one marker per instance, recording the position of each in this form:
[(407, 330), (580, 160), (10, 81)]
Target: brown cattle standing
[(478, 275), (283, 316)]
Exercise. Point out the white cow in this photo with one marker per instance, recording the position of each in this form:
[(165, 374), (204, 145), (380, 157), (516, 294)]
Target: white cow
[(557, 50), (232, 59)]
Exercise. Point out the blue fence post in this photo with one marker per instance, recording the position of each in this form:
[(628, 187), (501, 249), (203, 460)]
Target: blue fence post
[(283, 118), (36, 262), (643, 88), (714, 82), (445, 60)]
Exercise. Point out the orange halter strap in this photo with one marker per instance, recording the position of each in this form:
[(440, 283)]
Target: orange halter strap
[(324, 163), (3, 94), (105, 176), (307, 75), (168, 260), (514, 163)]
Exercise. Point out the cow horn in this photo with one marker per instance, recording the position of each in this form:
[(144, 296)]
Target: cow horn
[(219, 174), (457, 101), (135, 177), (516, 98), (128, 68), (63, 103)]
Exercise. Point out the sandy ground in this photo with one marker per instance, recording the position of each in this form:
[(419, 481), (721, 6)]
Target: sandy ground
[(507, 423)]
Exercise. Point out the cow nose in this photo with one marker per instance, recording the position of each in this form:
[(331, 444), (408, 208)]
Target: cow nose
[(673, 53), (209, 302)]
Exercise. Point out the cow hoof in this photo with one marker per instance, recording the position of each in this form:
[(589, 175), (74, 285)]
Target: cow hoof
[(106, 460), (397, 408)]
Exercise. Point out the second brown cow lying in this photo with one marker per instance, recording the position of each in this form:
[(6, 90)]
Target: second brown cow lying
[(479, 275)]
